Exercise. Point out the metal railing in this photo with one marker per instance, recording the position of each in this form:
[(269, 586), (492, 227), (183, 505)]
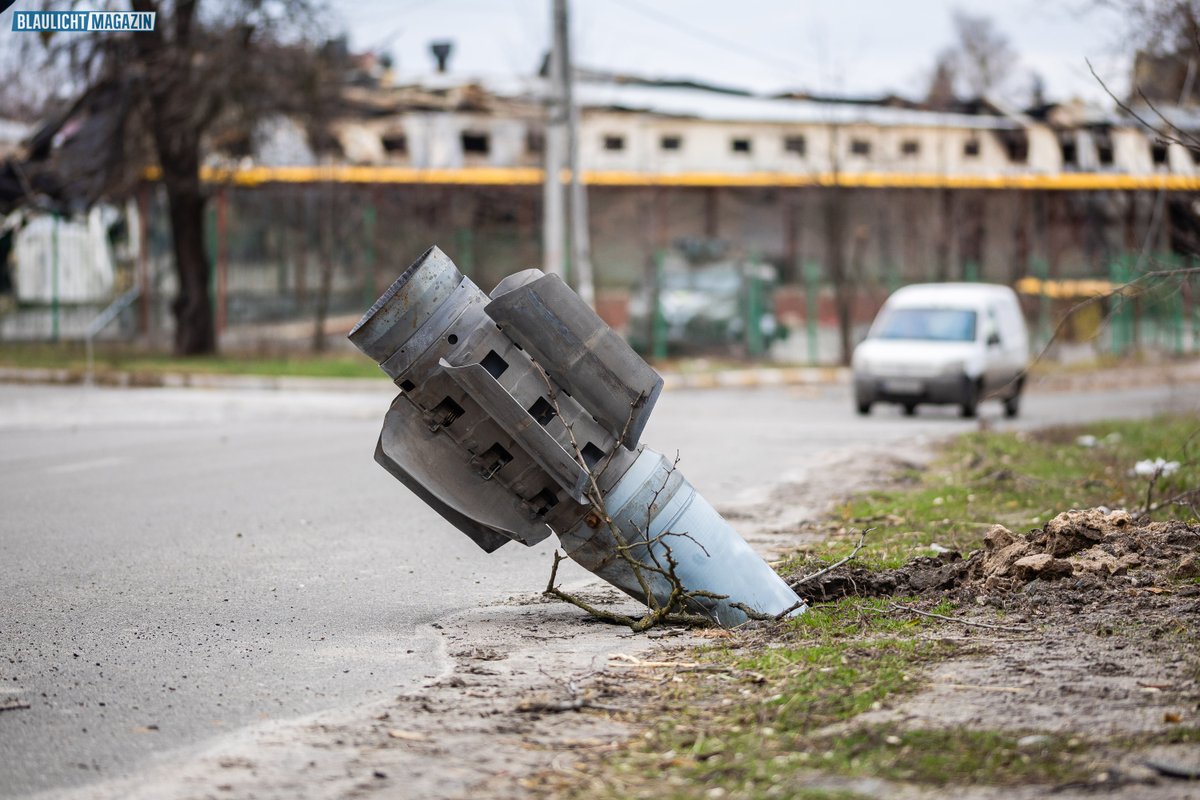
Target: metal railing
[(102, 321)]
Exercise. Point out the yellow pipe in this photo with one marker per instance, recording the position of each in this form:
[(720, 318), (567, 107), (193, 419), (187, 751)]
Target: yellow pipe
[(532, 176)]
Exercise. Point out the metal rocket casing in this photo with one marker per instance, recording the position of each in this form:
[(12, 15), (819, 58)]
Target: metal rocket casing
[(512, 404)]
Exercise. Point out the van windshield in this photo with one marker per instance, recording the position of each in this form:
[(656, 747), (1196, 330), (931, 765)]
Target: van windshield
[(930, 324)]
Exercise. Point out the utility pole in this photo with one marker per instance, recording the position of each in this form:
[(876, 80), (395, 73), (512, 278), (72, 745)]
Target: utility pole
[(581, 257), (553, 233), (563, 124)]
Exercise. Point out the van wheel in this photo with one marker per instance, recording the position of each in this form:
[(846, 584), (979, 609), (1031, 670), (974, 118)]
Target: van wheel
[(970, 398), (1012, 406), (864, 408), (910, 409)]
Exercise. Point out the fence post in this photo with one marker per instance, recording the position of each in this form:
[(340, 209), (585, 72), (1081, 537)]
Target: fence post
[(812, 289), (1194, 301), (143, 265), (369, 276), (464, 240), (658, 328), (210, 229), (1041, 270), (54, 278), (754, 310), (222, 258)]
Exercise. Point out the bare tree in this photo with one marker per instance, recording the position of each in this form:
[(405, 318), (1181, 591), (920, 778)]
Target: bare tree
[(194, 76), (979, 63)]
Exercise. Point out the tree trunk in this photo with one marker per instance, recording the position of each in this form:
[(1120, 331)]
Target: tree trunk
[(194, 333)]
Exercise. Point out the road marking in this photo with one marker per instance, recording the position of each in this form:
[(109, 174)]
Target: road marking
[(84, 466)]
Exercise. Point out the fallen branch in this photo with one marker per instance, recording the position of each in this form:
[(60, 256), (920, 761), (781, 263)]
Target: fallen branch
[(678, 666), (560, 706), (862, 537), (918, 612)]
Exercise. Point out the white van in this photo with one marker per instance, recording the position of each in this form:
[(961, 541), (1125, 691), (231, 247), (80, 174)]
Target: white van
[(948, 343)]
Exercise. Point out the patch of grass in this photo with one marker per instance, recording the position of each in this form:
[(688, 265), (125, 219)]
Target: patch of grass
[(957, 756), (1021, 480), (71, 357), (746, 727)]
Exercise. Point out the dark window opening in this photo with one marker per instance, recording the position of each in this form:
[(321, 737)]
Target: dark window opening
[(591, 455), (543, 501), (542, 411), (395, 143), (739, 145), (1105, 153), (1070, 153), (1195, 153), (612, 142), (494, 459), (446, 412), (407, 385), (671, 143), (1015, 144), (535, 141), (971, 148), (860, 147), (1158, 152), (910, 147), (494, 364), (795, 144), (476, 143)]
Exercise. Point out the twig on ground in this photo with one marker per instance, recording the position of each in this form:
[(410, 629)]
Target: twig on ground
[(862, 537), (680, 666), (918, 612), (758, 616), (675, 609)]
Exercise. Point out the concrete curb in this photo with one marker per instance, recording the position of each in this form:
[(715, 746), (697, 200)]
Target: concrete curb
[(756, 378), (673, 381), (761, 377)]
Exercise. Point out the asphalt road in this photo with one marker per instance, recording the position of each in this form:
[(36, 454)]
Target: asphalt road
[(178, 564)]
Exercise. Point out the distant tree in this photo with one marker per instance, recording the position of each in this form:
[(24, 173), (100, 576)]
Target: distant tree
[(980, 62), (171, 90)]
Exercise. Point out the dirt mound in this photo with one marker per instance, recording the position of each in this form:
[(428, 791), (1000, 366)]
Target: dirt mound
[(1097, 549)]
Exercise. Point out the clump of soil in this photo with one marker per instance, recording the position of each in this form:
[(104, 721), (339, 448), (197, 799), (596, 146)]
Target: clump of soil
[(1092, 550)]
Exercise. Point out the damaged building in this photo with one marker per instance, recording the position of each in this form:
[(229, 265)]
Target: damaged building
[(893, 190)]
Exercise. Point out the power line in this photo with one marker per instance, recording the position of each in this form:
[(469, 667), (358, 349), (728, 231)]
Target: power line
[(713, 39)]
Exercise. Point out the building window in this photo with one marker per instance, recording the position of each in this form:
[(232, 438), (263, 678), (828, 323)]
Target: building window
[(1158, 152), (475, 143), (614, 142), (1104, 150), (860, 147), (910, 147), (671, 143), (739, 145), (395, 144), (1070, 153), (535, 142), (971, 148), (1016, 145), (794, 144)]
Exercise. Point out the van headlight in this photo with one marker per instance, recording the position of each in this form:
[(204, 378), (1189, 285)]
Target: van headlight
[(954, 368)]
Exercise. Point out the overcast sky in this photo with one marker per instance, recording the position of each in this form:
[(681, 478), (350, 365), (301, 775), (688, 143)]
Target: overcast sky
[(830, 46)]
